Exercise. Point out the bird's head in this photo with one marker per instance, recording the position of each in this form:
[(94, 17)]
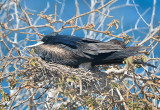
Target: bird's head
[(46, 39), (49, 37)]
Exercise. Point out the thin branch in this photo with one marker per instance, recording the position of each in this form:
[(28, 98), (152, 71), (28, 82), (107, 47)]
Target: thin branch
[(140, 14)]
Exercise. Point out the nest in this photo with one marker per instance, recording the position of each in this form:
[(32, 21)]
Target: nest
[(39, 71)]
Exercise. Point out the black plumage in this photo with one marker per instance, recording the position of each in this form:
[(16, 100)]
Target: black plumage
[(75, 51)]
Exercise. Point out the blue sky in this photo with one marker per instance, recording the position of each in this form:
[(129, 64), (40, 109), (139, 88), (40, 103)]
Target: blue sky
[(127, 15)]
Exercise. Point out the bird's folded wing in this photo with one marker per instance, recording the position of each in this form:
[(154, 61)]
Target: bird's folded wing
[(103, 47)]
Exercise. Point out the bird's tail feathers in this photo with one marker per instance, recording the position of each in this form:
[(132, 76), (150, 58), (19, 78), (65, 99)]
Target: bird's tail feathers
[(144, 63), (125, 53)]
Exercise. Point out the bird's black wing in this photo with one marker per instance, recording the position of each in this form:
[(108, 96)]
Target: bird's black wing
[(111, 52), (95, 48)]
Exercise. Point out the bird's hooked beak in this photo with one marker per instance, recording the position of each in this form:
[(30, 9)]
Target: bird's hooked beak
[(31, 46)]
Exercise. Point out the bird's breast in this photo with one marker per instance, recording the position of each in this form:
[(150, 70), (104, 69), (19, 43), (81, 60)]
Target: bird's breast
[(56, 51), (58, 54)]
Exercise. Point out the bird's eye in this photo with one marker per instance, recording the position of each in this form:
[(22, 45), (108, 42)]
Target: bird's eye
[(44, 39)]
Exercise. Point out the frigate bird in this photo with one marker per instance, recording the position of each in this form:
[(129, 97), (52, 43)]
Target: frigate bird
[(83, 52)]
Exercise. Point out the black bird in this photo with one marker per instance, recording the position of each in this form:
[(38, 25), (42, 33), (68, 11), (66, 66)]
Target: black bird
[(83, 52)]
